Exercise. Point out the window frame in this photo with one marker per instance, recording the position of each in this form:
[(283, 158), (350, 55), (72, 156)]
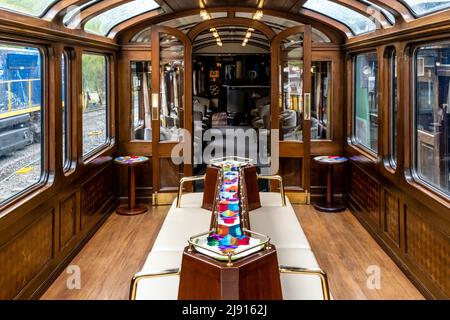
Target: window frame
[(393, 101), (372, 154), (134, 128), (416, 180), (67, 118), (108, 109), (35, 188), (330, 115)]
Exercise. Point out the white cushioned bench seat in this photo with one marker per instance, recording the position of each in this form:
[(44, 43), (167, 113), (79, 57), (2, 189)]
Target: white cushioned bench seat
[(179, 225), (279, 223)]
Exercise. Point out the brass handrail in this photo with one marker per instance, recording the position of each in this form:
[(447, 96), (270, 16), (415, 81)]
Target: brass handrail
[(313, 272), (157, 274), (280, 181), (180, 186), (283, 269)]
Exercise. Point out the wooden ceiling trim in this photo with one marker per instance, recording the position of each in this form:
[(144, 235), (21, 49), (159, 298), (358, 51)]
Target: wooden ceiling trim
[(132, 21), (431, 25), (329, 21), (98, 9), (163, 4), (401, 12), (336, 32), (16, 25), (365, 10), (57, 11), (223, 22), (297, 6)]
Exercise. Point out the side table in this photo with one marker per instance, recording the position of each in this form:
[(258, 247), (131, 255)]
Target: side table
[(131, 208), (330, 205)]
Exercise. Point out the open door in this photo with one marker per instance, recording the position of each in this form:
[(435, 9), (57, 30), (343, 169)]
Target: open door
[(291, 108), (171, 109)]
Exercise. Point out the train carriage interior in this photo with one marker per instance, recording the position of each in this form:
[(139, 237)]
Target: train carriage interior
[(224, 150)]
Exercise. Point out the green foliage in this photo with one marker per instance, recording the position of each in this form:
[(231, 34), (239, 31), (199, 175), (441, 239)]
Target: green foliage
[(95, 75)]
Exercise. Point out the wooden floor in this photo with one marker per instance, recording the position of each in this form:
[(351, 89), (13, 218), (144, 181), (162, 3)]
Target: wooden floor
[(342, 247)]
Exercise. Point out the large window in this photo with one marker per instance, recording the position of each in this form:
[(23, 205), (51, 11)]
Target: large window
[(321, 100), (141, 92), (95, 102), (21, 125), (366, 100), (432, 115), (290, 78)]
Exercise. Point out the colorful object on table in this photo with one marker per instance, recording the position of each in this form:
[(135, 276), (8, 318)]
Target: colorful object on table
[(129, 160), (330, 159), (229, 235)]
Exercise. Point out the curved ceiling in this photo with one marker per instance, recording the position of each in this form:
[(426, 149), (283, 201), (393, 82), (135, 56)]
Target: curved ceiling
[(110, 17)]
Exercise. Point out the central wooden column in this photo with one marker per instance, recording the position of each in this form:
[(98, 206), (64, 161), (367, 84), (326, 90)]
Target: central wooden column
[(255, 277)]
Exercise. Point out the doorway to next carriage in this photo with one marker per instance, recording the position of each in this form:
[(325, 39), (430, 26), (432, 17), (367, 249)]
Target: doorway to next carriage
[(231, 96)]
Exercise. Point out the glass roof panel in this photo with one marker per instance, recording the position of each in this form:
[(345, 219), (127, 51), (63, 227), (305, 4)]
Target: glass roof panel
[(422, 7), (355, 21), (31, 7), (387, 14), (72, 15), (104, 22)]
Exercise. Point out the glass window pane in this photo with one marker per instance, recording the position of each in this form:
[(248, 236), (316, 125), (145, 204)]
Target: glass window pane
[(172, 85), (291, 86), (394, 109), (386, 13), (366, 100), (21, 125), (31, 7), (321, 100), (104, 22), (95, 102), (354, 20), (422, 7), (432, 114), (65, 111), (72, 17), (141, 92)]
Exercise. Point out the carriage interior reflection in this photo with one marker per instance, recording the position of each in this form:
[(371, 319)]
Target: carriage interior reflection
[(225, 150)]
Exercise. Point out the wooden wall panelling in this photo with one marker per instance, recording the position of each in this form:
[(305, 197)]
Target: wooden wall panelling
[(428, 249), (391, 215), (364, 194), (68, 216), (27, 254), (289, 170), (95, 193)]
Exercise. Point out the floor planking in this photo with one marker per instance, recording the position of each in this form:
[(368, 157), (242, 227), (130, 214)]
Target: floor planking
[(342, 246)]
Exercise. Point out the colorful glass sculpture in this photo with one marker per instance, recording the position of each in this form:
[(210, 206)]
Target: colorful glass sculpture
[(229, 235)]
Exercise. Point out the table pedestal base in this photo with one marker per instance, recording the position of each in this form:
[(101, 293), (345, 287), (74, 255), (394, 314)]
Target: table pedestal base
[(125, 210), (335, 206)]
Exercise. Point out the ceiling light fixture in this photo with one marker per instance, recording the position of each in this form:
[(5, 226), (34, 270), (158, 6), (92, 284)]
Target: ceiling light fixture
[(205, 15), (259, 14)]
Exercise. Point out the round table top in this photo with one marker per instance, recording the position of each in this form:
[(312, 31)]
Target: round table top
[(130, 160), (330, 159)]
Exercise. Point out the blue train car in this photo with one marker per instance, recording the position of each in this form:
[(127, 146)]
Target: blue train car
[(20, 98)]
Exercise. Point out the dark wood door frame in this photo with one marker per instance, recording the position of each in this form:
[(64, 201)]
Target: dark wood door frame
[(293, 149), (160, 149)]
